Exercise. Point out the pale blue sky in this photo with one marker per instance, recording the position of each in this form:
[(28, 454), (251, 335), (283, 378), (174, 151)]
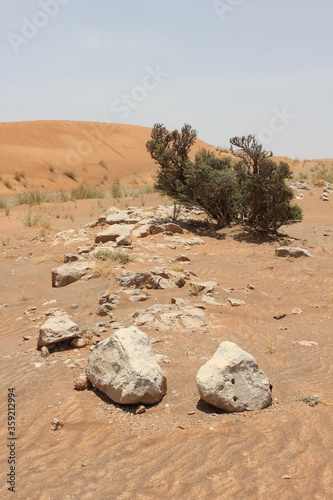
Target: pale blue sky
[(227, 67)]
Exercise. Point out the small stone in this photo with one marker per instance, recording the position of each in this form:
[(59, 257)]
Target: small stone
[(71, 257), (236, 302), (44, 352), (250, 287), (140, 409), (56, 424), (292, 252), (78, 342), (296, 310), (105, 309), (154, 229), (81, 383), (180, 258), (306, 343), (26, 337), (179, 302), (124, 240)]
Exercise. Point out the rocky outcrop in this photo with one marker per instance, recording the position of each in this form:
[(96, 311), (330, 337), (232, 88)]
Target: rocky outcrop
[(171, 317), (232, 381), (158, 279), (124, 368)]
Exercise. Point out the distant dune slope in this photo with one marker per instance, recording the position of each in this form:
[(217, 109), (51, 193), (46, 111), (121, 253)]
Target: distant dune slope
[(43, 150)]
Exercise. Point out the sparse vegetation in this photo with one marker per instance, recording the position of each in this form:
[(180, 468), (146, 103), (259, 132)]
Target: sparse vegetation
[(84, 192), (30, 219), (70, 174), (194, 290), (310, 400), (33, 198), (18, 176), (103, 254), (120, 257), (3, 204), (321, 174), (103, 163), (8, 183), (116, 189)]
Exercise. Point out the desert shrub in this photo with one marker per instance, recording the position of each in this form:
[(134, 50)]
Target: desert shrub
[(33, 198), (212, 185), (321, 174), (84, 192), (252, 191), (7, 183), (70, 174), (116, 188), (103, 163), (104, 254), (3, 204), (18, 176), (265, 198), (31, 220), (121, 257)]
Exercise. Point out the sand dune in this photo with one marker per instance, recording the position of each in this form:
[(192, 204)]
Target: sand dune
[(36, 148)]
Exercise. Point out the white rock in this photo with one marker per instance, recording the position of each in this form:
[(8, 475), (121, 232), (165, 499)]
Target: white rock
[(141, 232), (69, 273), (78, 342), (205, 286), (57, 329), (173, 228), (113, 232), (124, 240), (81, 383), (306, 343), (231, 380), (125, 369), (292, 252), (296, 310)]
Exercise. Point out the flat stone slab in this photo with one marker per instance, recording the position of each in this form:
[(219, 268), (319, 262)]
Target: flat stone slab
[(292, 252)]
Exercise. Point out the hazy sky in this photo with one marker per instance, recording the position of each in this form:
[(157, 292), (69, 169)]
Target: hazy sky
[(227, 67)]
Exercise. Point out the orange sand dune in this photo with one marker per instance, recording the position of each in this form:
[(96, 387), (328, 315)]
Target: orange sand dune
[(38, 147)]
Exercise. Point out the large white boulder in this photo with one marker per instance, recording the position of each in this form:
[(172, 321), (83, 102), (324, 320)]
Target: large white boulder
[(124, 368), (232, 380)]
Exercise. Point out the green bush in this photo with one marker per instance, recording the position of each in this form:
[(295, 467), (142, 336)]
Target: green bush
[(252, 190)]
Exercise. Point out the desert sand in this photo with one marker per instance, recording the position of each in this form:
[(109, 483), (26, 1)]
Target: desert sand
[(181, 447)]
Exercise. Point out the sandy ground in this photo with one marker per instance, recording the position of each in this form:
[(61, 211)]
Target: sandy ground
[(180, 448)]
